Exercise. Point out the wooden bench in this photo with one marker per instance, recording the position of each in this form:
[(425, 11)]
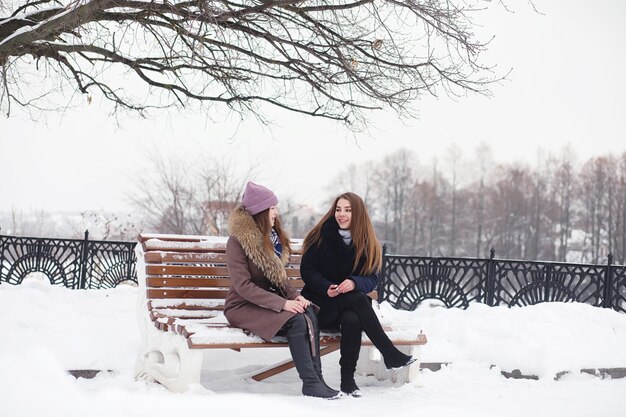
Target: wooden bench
[(183, 281)]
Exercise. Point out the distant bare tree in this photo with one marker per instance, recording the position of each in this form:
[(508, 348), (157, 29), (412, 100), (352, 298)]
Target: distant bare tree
[(436, 213), (484, 160), (335, 59), (182, 199), (417, 216), (395, 177), (357, 178), (453, 157), (106, 226), (28, 224), (542, 211), (563, 189), (616, 202), (594, 178), (509, 210), (221, 189), (621, 212)]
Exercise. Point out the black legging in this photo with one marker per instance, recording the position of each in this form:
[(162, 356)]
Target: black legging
[(355, 314)]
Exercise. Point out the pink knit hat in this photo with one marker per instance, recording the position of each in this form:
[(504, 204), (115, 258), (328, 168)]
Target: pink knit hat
[(257, 198)]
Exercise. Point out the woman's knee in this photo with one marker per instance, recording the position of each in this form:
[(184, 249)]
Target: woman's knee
[(350, 319), (296, 324), (358, 299), (309, 312)]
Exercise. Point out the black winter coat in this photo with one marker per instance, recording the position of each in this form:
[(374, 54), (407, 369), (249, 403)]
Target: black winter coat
[(330, 263)]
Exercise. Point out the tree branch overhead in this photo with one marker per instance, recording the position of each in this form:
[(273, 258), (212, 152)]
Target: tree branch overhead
[(332, 59)]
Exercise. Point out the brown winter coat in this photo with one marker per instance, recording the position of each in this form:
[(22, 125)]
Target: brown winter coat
[(250, 303)]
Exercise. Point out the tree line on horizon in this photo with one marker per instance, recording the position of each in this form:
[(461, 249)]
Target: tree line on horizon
[(561, 209)]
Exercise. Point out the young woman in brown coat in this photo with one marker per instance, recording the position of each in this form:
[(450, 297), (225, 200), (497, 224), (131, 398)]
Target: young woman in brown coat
[(260, 298), (340, 265)]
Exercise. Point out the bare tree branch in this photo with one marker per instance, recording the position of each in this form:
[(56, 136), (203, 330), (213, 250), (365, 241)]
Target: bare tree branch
[(334, 59)]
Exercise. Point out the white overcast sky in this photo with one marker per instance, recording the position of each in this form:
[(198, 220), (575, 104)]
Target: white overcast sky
[(568, 86)]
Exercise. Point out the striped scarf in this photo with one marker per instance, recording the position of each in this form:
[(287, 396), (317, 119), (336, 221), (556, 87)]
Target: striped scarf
[(278, 247)]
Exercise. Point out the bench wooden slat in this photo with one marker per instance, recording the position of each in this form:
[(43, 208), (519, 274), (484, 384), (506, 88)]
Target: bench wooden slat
[(185, 314), (158, 282), (296, 283), (178, 257), (198, 247), (186, 270), (170, 237), (193, 304), (187, 293)]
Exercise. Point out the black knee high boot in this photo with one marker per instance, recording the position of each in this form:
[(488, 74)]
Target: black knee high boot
[(298, 338), (350, 347), (317, 359), (362, 306)]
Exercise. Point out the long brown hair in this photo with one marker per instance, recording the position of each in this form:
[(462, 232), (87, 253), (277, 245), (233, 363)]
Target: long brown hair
[(366, 245), (262, 220)]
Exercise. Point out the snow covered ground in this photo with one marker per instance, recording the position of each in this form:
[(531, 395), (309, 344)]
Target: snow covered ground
[(48, 330)]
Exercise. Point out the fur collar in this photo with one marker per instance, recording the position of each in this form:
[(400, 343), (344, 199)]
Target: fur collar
[(243, 228)]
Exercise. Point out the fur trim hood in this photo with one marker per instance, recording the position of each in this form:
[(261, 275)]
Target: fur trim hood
[(242, 227)]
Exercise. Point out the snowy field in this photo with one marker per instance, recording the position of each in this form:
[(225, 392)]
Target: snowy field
[(48, 330)]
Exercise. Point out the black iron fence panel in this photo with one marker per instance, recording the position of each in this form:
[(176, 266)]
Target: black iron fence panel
[(616, 298), (73, 263), (409, 280), (58, 259), (520, 283), (109, 264)]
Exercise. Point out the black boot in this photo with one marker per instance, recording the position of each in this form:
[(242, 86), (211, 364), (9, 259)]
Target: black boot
[(362, 306), (301, 352), (349, 387), (317, 358), (350, 346)]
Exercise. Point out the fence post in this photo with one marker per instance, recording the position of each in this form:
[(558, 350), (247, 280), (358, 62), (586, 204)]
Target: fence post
[(1, 254), (83, 262), (38, 251), (383, 277), (131, 249), (491, 279), (608, 283), (434, 272), (547, 270)]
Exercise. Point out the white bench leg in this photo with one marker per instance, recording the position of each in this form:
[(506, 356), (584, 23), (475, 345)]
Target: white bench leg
[(168, 360), (164, 357), (371, 363), (410, 373)]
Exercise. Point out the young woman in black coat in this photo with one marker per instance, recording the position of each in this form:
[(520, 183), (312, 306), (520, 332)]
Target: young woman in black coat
[(340, 265)]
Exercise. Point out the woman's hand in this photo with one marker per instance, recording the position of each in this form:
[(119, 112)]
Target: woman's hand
[(346, 286), (303, 301), (332, 291), (294, 306)]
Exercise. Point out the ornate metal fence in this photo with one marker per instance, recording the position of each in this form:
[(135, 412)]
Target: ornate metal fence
[(406, 280), (73, 263), (456, 282)]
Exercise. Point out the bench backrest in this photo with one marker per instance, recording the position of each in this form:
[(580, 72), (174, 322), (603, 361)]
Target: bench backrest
[(191, 270)]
